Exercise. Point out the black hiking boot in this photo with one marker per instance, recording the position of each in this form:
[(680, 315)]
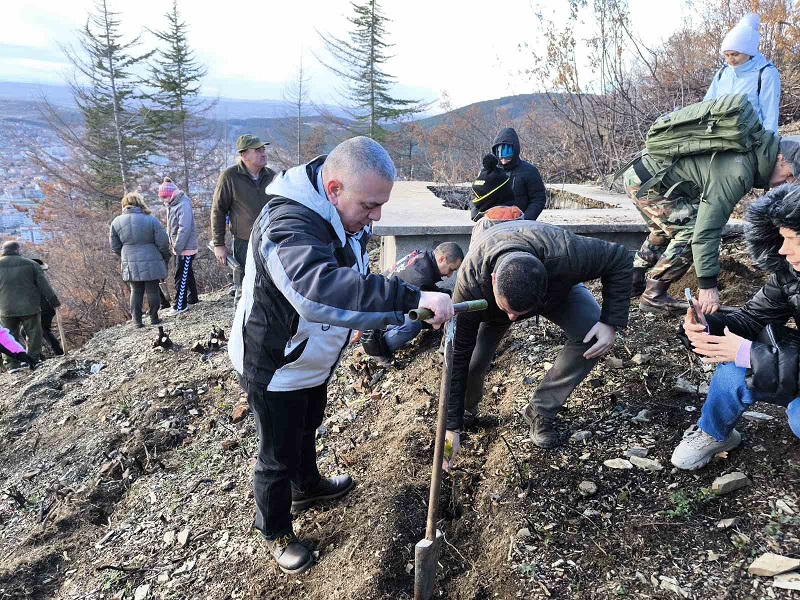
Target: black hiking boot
[(136, 313), (469, 419), (655, 299), (638, 283), (542, 429), (292, 557), (327, 489)]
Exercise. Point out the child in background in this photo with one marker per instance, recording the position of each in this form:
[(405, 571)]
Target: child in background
[(182, 241)]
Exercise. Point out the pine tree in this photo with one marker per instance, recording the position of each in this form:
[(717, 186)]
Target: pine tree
[(296, 95), (178, 114), (360, 62), (113, 142)]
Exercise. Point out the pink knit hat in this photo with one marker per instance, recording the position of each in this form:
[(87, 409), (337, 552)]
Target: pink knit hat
[(166, 189)]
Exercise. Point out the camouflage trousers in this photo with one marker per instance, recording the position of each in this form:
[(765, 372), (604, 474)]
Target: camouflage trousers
[(667, 251)]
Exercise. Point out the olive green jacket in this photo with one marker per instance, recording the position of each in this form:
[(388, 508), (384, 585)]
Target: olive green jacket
[(239, 197), (22, 285), (717, 182)]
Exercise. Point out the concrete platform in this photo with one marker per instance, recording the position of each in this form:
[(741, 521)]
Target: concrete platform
[(415, 219)]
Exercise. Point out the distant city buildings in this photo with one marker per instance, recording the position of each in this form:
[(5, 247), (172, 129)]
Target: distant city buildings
[(19, 178)]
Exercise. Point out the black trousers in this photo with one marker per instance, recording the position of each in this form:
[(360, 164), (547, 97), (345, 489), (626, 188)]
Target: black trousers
[(48, 313), (185, 284), (287, 458), (138, 289)]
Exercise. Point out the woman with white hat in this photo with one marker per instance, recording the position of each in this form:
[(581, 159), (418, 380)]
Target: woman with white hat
[(748, 72)]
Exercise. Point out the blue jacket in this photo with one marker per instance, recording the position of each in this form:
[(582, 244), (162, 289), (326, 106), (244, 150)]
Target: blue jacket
[(744, 80)]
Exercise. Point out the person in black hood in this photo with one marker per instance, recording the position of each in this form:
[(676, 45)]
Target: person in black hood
[(758, 356), (491, 188), (529, 192)]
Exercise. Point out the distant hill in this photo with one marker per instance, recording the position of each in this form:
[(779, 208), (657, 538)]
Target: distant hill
[(61, 96), (269, 119), (515, 106)]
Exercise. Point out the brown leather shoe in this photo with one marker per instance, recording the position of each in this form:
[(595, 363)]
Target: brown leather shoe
[(543, 432), (292, 557), (327, 489), (655, 299)]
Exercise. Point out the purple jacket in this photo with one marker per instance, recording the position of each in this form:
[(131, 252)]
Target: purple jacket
[(8, 342)]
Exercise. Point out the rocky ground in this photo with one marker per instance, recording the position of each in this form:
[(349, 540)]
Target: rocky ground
[(133, 481)]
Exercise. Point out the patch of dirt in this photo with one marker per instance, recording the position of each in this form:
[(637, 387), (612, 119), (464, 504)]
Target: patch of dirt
[(104, 474)]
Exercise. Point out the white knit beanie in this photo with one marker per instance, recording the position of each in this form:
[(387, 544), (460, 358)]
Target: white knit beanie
[(744, 37)]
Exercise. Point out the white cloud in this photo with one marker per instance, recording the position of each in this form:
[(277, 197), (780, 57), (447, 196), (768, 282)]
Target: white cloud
[(468, 48)]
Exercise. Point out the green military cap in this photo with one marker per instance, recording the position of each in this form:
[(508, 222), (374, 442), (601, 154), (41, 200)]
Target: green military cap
[(247, 141)]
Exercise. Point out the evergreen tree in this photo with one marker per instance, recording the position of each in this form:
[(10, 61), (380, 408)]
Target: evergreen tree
[(296, 94), (360, 62), (178, 114), (113, 142)]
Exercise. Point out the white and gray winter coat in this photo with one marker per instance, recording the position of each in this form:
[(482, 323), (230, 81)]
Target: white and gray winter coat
[(180, 225), (306, 287)]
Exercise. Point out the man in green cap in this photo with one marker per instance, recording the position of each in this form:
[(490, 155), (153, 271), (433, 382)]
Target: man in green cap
[(239, 198)]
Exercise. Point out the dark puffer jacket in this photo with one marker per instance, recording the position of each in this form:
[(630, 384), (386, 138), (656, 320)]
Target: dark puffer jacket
[(422, 271), (529, 191), (775, 365)]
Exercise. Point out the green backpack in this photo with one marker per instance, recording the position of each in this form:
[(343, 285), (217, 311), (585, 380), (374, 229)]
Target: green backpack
[(726, 124)]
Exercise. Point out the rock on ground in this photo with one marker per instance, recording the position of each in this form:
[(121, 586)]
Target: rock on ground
[(769, 565), (730, 483)]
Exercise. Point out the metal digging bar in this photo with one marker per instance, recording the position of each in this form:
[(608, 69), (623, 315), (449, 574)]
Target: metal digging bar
[(231, 262), (426, 552)]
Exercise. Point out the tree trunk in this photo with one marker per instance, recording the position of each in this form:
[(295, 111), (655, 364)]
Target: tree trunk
[(123, 166)]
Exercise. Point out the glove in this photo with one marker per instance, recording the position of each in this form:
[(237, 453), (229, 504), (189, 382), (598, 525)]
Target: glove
[(24, 357)]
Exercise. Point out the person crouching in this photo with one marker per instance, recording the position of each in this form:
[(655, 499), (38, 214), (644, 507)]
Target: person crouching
[(758, 357)]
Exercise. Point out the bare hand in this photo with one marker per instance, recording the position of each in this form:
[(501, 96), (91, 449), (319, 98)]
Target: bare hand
[(454, 437), (221, 252), (440, 304), (717, 348), (709, 300), (355, 338), (605, 340)]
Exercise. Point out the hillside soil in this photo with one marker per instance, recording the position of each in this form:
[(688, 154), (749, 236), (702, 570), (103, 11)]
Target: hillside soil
[(132, 480)]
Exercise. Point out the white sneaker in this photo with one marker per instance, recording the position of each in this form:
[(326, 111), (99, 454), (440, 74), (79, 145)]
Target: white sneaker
[(174, 311), (697, 448)]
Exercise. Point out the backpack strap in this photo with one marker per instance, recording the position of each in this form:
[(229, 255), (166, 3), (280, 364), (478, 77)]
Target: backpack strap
[(760, 72), (718, 76)]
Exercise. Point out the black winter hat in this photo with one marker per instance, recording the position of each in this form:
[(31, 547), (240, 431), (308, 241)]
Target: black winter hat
[(492, 187)]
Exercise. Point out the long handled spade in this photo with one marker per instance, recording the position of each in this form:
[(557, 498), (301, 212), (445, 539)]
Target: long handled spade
[(426, 552)]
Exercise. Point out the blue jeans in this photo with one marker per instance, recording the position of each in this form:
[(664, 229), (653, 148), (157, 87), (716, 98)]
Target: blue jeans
[(396, 336), (729, 397)]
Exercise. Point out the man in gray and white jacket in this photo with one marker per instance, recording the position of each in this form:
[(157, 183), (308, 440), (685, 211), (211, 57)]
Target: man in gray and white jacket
[(306, 288)]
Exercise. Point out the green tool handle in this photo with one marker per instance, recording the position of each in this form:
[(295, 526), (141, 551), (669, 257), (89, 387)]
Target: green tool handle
[(423, 314)]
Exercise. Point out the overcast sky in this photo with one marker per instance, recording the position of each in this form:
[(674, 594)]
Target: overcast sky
[(464, 47)]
